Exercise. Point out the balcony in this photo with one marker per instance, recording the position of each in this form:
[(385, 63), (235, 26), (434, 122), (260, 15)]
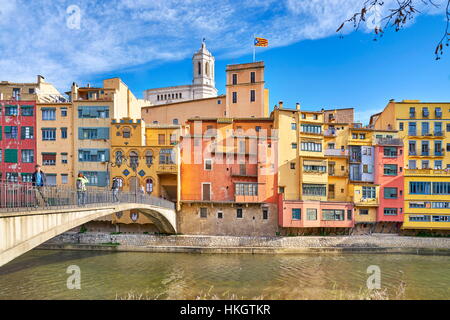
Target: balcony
[(427, 172), (336, 153), (330, 133), (244, 172), (355, 157), (439, 153), (389, 142), (167, 168), (438, 134), (425, 153)]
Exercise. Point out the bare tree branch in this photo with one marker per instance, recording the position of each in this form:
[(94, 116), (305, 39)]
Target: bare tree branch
[(397, 18)]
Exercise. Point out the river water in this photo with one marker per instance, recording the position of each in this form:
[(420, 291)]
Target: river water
[(41, 274)]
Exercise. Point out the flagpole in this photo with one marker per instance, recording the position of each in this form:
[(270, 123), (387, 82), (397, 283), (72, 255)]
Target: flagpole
[(254, 48)]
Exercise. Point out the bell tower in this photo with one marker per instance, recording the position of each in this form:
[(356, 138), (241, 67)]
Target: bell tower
[(203, 67)]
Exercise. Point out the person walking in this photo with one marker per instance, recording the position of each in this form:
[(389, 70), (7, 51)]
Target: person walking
[(81, 189), (115, 189), (39, 181)]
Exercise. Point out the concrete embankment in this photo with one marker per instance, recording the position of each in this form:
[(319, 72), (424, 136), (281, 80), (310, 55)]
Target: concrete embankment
[(253, 245)]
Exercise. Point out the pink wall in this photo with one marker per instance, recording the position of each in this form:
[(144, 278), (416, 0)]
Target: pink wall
[(389, 181)]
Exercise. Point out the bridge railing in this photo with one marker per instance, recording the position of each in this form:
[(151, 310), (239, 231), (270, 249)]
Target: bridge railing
[(16, 196)]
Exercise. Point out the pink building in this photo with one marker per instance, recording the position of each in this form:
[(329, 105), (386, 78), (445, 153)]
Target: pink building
[(389, 176)]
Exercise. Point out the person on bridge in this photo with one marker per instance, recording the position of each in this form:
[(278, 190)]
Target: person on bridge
[(115, 189), (38, 180), (81, 189)]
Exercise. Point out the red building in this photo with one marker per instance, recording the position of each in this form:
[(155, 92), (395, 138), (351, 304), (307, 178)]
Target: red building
[(17, 140), (389, 176)]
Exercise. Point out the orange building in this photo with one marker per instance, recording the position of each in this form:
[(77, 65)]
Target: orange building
[(228, 174)]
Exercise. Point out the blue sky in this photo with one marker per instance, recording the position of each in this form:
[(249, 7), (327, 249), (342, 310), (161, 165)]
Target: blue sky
[(149, 44)]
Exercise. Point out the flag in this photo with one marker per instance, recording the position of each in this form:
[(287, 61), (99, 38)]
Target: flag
[(261, 42)]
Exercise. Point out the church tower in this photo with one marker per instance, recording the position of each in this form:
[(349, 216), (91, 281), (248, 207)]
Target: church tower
[(203, 73)]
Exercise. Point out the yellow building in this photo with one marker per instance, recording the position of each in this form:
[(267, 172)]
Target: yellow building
[(54, 142), (39, 91), (424, 128)]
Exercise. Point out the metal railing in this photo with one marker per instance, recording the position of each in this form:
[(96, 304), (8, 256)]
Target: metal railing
[(16, 196)]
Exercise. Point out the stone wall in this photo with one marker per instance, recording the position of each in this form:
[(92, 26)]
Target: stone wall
[(145, 241)]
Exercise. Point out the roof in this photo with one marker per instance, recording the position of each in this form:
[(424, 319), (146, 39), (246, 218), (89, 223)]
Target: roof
[(181, 102)]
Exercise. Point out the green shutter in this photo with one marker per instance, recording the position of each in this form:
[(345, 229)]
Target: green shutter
[(22, 133), (101, 178), (11, 155), (80, 133), (1, 132), (7, 129)]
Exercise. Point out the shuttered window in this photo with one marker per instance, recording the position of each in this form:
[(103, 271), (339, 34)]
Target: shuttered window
[(49, 159), (11, 155), (26, 133)]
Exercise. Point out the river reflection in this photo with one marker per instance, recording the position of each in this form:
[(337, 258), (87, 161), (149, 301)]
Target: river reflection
[(41, 274)]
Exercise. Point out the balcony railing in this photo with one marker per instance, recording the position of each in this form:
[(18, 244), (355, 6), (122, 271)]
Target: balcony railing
[(336, 152), (170, 168), (438, 133), (389, 142), (428, 172), (244, 172)]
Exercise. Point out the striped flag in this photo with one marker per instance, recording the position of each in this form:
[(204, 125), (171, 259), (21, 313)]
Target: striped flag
[(261, 42)]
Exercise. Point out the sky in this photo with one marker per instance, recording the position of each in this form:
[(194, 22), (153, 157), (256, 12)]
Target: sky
[(149, 44)]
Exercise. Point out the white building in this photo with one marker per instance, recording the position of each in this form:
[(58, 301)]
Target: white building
[(203, 84)]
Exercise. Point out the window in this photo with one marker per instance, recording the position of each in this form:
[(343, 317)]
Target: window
[(175, 121), (48, 134), (11, 111), (27, 177), (234, 97), (311, 214), (149, 185), (208, 164), (425, 148), (63, 133), (332, 215), (26, 110), (425, 164), (311, 167), (12, 177), (166, 156), (134, 159), (303, 115), (441, 187), (265, 213), (49, 159), (293, 165), (93, 112), (203, 212), (173, 139), (362, 136), (296, 213), (314, 189), (438, 112), (252, 96), (412, 112), (438, 148), (10, 132), (11, 156), (49, 114), (161, 139), (64, 179), (63, 112), (239, 213), (390, 151), (219, 215), (93, 155), (390, 211), (412, 148), (149, 157), (126, 133), (401, 126), (309, 128), (28, 156), (252, 77), (412, 164), (311, 146), (293, 145), (363, 212), (438, 129), (119, 158), (425, 128), (412, 129), (425, 112), (27, 133), (438, 164), (64, 158), (246, 189), (390, 193), (234, 80), (420, 188), (369, 192), (390, 169)]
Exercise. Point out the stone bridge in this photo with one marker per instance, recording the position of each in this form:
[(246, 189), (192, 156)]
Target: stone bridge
[(22, 228)]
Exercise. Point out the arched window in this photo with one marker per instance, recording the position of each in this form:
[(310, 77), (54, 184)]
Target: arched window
[(155, 121), (207, 68), (175, 121), (199, 66), (119, 157), (134, 158), (149, 185), (126, 133), (149, 157)]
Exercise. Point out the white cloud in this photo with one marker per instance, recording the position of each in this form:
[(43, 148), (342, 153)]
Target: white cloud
[(114, 34)]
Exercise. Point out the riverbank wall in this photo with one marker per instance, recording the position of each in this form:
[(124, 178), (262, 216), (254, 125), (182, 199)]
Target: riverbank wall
[(245, 244)]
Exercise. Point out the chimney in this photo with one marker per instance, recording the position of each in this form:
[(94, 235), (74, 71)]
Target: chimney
[(74, 92), (280, 103), (40, 79), (297, 106)]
